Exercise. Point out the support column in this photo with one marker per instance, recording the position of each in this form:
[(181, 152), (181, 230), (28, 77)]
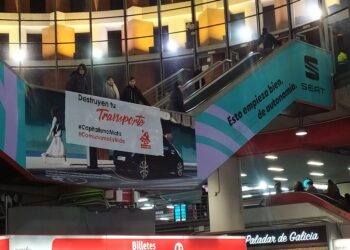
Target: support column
[(225, 198)]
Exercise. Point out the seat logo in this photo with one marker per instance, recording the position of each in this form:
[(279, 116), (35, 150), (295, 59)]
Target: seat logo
[(311, 69)]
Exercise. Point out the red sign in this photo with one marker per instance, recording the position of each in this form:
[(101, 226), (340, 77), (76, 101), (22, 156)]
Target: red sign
[(150, 243), (4, 244)]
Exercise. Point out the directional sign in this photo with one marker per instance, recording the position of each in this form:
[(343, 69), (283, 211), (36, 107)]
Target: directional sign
[(299, 72)]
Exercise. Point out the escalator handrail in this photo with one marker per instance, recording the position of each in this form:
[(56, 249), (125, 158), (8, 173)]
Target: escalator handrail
[(194, 94), (193, 80), (165, 80), (305, 197), (198, 77)]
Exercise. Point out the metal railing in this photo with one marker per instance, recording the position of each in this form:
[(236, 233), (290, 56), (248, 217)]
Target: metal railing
[(162, 89), (199, 81)]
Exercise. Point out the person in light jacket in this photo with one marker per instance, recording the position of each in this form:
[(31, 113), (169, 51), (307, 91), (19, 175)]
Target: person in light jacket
[(110, 89)]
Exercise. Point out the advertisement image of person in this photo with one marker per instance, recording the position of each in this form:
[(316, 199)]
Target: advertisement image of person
[(110, 89), (132, 94), (77, 81), (56, 148)]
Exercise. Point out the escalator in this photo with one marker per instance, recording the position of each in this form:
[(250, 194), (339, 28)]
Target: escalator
[(196, 98)]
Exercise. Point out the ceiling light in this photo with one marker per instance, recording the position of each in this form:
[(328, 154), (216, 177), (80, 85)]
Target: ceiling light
[(243, 174), (262, 185), (271, 157), (280, 179), (97, 53), (317, 174), (164, 218), (321, 186), (300, 132), (348, 168), (276, 169), (19, 55), (170, 206), (146, 208), (172, 46), (285, 189), (142, 199), (245, 196), (315, 163), (269, 193)]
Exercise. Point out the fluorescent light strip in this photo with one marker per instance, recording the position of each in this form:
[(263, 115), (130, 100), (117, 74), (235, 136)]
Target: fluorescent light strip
[(269, 193), (271, 157), (280, 179), (276, 169), (315, 163), (321, 186), (245, 196), (316, 174), (143, 199), (243, 174)]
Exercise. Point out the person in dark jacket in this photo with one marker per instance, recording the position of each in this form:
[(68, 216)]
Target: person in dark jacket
[(268, 41), (176, 99), (78, 81), (133, 94)]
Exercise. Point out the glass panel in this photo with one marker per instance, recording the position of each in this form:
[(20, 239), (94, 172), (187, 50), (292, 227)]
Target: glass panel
[(176, 39), (38, 39), (9, 36), (243, 30), (105, 5), (211, 23), (35, 6), (305, 11), (141, 4), (44, 77), (71, 6), (178, 4), (10, 7), (101, 73), (333, 6), (140, 32), (107, 36), (146, 74), (173, 65), (73, 39)]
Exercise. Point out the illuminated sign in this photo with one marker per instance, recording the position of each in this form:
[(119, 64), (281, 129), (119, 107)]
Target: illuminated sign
[(180, 213), (290, 236), (24, 242), (341, 244)]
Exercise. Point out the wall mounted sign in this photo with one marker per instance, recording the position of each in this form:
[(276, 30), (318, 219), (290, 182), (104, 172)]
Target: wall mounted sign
[(289, 236), (124, 242)]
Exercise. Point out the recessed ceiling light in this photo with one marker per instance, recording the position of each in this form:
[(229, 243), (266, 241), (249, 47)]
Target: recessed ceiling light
[(142, 199), (245, 196), (321, 186), (276, 169), (317, 174), (269, 193), (271, 157), (300, 132), (315, 163), (348, 168), (243, 174), (280, 179)]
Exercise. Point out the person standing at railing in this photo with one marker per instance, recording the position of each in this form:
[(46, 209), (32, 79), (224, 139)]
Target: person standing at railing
[(311, 188), (333, 191), (176, 102), (132, 94), (78, 83), (268, 41), (110, 90)]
